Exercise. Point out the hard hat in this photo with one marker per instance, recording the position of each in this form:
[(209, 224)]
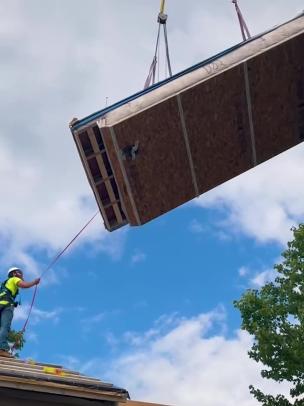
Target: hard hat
[(13, 269)]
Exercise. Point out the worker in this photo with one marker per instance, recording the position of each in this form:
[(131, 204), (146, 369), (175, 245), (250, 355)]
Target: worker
[(8, 292)]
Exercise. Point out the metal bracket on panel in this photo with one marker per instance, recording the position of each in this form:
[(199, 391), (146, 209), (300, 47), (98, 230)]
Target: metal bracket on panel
[(101, 122), (130, 151), (72, 122)]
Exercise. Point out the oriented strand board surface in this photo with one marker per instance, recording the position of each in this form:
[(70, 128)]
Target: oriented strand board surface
[(216, 118), (275, 79), (160, 176)]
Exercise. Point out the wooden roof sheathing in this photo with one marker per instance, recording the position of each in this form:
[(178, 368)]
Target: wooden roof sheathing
[(206, 125), (30, 378)]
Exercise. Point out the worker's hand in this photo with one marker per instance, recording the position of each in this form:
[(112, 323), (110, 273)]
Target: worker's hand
[(36, 281)]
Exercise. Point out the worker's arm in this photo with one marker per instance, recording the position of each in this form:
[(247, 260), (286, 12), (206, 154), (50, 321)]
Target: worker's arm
[(25, 285)]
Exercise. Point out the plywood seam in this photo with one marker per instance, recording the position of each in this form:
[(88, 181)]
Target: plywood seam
[(250, 115), (186, 138)]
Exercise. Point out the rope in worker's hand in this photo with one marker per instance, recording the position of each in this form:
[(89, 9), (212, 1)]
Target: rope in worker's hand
[(52, 263)]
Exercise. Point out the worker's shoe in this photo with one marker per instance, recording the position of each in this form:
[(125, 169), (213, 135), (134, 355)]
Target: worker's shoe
[(5, 354)]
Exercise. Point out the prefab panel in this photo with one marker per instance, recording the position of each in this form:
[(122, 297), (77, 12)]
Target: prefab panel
[(159, 175), (216, 118), (165, 145), (276, 79)]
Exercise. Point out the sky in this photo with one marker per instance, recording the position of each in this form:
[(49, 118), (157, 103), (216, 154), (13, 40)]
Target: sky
[(149, 309)]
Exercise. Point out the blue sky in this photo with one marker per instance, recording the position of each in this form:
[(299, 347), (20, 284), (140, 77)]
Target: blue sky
[(147, 308)]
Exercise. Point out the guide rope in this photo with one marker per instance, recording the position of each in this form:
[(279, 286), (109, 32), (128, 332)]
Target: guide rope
[(52, 263)]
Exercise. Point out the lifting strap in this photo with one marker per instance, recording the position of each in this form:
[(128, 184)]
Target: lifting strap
[(244, 28), (162, 21)]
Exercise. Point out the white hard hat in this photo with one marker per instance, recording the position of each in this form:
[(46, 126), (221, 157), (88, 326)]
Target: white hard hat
[(13, 269)]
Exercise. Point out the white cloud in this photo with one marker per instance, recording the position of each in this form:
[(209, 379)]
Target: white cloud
[(32, 337), (261, 278), (37, 315), (137, 257), (186, 365), (196, 227), (54, 68), (91, 322), (265, 202), (243, 271), (256, 278), (70, 362)]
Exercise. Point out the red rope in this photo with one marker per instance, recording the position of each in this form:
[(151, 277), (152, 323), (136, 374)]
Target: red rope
[(54, 260), (30, 311), (69, 244)]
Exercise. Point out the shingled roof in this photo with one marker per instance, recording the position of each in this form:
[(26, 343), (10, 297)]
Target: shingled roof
[(37, 382)]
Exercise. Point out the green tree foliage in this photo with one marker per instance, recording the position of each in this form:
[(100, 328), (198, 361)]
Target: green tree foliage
[(274, 316), (16, 338)]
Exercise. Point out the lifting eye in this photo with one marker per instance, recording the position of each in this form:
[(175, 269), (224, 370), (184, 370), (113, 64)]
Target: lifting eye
[(129, 152)]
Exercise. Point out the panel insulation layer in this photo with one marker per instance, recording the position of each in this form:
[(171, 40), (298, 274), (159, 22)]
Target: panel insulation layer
[(178, 139)]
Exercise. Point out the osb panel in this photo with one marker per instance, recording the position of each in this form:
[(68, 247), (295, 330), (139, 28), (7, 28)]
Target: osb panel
[(274, 81), (160, 176), (216, 118), (118, 174)]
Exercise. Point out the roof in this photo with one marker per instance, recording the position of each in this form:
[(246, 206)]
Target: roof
[(77, 124), (56, 380)]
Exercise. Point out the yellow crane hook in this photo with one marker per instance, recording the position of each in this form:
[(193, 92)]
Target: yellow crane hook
[(162, 6)]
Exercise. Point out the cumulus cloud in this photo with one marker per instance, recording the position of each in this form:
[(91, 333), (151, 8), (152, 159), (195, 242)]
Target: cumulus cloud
[(261, 278), (189, 362), (90, 322), (243, 271), (183, 362), (54, 68), (265, 202), (196, 227), (137, 257), (254, 278), (37, 315)]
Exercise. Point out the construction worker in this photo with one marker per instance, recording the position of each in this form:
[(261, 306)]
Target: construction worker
[(8, 292)]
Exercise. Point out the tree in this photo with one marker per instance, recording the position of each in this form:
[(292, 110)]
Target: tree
[(274, 316), (16, 338)]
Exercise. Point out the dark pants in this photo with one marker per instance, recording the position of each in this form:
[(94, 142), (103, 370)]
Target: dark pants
[(6, 317)]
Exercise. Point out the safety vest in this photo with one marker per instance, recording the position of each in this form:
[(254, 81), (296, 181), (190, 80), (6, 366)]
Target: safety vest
[(7, 295)]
